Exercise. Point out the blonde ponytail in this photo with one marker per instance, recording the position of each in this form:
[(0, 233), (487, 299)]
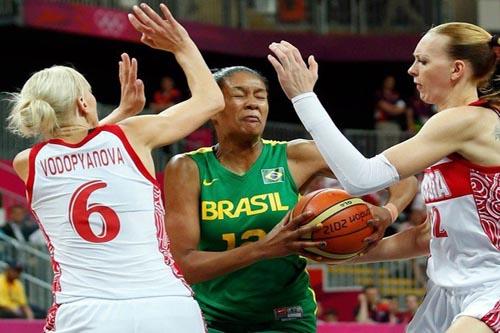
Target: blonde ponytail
[(47, 101)]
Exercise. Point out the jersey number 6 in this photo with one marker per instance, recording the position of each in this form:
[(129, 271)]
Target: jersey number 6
[(80, 211)]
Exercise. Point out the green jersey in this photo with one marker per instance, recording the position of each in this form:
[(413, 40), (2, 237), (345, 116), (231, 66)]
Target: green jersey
[(236, 209)]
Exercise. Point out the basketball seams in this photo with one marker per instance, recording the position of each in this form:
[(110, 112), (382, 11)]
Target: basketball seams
[(330, 255), (336, 210), (332, 210)]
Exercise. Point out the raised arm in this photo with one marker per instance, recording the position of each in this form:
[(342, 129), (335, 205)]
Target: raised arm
[(132, 98), (182, 191), (206, 98), (443, 134)]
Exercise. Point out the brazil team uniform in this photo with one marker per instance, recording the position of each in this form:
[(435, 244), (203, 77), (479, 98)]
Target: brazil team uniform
[(270, 295)]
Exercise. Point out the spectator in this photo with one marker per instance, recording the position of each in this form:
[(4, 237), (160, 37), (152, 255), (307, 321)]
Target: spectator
[(13, 300), (16, 226), (330, 316), (392, 115), (392, 309), (166, 96), (411, 307), (370, 308), (390, 108)]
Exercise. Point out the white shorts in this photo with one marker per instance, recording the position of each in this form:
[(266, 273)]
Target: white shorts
[(152, 314), (442, 306)]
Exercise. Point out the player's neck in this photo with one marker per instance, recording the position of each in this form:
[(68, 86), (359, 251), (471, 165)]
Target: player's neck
[(238, 156), (72, 134)]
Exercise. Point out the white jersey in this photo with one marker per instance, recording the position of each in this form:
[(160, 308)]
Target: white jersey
[(463, 202), (102, 215)]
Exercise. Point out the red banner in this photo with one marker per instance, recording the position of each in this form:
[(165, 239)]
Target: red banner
[(110, 23), (75, 18)]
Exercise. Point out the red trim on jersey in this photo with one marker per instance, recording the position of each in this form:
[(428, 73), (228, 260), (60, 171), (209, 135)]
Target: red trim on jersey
[(162, 237), (86, 139), (116, 130), (479, 102), (50, 320), (485, 169), (492, 318), (50, 323), (31, 169)]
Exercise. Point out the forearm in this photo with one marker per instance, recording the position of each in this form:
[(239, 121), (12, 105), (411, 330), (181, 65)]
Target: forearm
[(200, 266), (201, 84), (403, 192), (410, 243), (114, 117), (357, 174)]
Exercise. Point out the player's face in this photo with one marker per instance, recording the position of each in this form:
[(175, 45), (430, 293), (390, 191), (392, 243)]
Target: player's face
[(432, 68), (247, 106)]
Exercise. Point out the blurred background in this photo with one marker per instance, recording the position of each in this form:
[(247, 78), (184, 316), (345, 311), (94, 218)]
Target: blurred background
[(363, 47)]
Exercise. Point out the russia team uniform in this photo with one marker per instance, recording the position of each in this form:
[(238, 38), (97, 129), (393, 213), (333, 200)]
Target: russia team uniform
[(102, 216), (270, 295), (463, 200)]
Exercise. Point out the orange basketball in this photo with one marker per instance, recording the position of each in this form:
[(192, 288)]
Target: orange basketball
[(344, 220)]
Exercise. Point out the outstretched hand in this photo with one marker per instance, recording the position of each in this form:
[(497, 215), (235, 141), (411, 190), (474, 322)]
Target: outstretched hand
[(286, 236), (294, 75), (132, 98), (157, 32)]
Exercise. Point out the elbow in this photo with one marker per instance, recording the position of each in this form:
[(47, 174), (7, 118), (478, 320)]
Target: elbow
[(187, 271), (356, 190)]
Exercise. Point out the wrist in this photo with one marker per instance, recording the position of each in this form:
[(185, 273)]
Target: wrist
[(393, 210)]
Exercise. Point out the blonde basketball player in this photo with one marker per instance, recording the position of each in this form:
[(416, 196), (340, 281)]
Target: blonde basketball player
[(459, 148), (93, 191)]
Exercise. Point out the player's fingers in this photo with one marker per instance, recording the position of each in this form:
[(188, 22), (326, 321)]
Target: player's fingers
[(280, 55), (308, 229), (120, 72), (308, 244), (152, 15), (276, 64), (294, 52), (143, 18), (296, 221), (313, 65), (132, 74), (311, 256), (138, 25), (167, 14), (125, 69), (139, 85)]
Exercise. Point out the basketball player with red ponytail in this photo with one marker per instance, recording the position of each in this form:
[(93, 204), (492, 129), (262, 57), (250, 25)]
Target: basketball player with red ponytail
[(459, 149)]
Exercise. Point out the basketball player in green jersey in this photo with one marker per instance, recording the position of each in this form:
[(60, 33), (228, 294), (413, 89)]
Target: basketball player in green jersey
[(222, 204)]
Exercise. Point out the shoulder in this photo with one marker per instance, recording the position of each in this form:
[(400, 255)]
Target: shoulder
[(21, 163), (462, 121), (301, 149), (181, 170), (182, 164)]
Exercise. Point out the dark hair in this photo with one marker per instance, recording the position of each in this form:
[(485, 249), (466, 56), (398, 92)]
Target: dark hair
[(14, 265), (220, 74), (475, 45)]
